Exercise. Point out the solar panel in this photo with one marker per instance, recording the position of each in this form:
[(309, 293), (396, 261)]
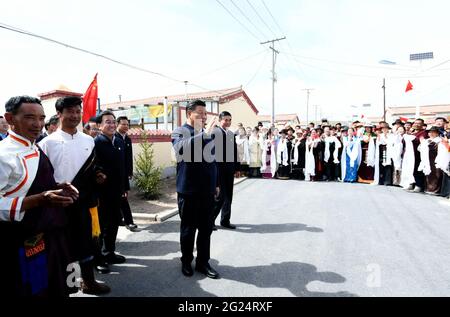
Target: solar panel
[(421, 56)]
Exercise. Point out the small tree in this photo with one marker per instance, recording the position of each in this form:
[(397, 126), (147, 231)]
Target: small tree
[(147, 176)]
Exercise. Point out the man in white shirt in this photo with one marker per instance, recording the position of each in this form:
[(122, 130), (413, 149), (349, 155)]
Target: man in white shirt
[(72, 154)]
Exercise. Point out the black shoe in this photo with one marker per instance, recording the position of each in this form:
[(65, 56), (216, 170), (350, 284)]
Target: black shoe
[(228, 225), (207, 270), (102, 268), (113, 258), (94, 288), (186, 269), (132, 227)]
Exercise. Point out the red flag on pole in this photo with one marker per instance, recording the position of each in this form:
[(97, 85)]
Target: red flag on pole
[(409, 86), (404, 120), (90, 101)]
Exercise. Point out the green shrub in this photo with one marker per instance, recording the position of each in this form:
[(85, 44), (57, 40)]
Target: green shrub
[(147, 176)]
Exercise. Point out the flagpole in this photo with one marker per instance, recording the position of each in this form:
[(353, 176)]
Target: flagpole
[(98, 106), (384, 99)]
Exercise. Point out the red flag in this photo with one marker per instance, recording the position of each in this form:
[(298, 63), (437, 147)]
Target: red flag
[(409, 87), (90, 101), (404, 120)]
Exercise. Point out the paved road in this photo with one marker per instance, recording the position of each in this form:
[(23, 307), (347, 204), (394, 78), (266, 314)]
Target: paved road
[(303, 239)]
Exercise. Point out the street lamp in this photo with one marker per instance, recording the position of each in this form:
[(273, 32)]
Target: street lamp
[(385, 62)]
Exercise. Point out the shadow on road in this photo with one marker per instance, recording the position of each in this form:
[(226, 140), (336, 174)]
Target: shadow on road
[(152, 278), (275, 228), (163, 278), (152, 248), (173, 226), (293, 276)]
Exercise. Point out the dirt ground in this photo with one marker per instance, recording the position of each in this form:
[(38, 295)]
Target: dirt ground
[(167, 201)]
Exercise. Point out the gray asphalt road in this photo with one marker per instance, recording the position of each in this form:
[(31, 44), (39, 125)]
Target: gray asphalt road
[(303, 239)]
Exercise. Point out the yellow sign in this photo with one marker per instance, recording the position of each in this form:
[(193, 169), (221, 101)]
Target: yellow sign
[(158, 111)]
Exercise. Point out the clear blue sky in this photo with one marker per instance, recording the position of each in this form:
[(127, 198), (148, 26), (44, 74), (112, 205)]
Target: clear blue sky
[(333, 46)]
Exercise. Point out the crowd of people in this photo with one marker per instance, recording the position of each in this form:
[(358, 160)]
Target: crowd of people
[(407, 154)]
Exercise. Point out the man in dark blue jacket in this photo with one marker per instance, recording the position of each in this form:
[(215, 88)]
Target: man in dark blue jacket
[(196, 187), (111, 162)]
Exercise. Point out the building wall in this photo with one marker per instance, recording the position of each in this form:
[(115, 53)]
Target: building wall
[(241, 113), (49, 107), (163, 156)]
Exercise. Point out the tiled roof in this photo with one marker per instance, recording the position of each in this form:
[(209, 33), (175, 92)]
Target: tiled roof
[(423, 109), (151, 133), (278, 117), (61, 91), (208, 95)]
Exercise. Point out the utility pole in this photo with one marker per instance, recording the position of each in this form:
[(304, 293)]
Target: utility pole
[(384, 99), (308, 91), (274, 59), (315, 116), (185, 90)]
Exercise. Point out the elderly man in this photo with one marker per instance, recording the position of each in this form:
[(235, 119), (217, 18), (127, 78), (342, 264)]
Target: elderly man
[(32, 223)]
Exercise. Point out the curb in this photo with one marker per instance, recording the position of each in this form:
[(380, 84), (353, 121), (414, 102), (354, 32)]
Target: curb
[(167, 214)]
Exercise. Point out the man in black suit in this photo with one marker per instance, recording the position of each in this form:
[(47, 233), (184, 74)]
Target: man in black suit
[(227, 164), (111, 162), (123, 125), (196, 187), (3, 128)]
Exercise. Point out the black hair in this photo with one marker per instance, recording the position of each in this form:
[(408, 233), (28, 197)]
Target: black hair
[(104, 113), (93, 119), (441, 118), (1, 117), (423, 121), (224, 114), (194, 104), (87, 126), (260, 124), (122, 118), (67, 102), (53, 119), (14, 103)]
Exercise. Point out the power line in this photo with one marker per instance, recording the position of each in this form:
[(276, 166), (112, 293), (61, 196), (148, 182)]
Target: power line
[(257, 71), (230, 64), (345, 63), (259, 16), (24, 32), (17, 30), (247, 18), (298, 69), (237, 20), (273, 18)]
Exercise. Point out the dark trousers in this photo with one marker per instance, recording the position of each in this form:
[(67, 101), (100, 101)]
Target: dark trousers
[(331, 170), (385, 175), (445, 188), (419, 178), (109, 217), (223, 202), (196, 213), (126, 211)]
